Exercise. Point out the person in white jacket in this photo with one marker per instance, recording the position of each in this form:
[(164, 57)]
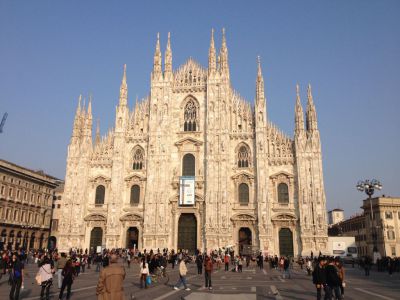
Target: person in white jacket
[(46, 271), (182, 276), (144, 272)]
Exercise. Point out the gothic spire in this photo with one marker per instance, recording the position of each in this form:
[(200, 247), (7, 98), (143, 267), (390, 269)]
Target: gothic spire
[(224, 55), (76, 131), (311, 114), (157, 69), (299, 115), (260, 97), (212, 55), (89, 112), (168, 58), (123, 90), (97, 138)]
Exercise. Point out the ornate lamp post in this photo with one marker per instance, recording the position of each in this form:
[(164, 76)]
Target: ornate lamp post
[(369, 187)]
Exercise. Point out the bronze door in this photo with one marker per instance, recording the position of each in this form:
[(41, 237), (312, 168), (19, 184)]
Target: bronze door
[(96, 238), (245, 238), (187, 232), (132, 238), (286, 242)]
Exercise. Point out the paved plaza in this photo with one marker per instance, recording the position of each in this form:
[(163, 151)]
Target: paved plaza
[(252, 284)]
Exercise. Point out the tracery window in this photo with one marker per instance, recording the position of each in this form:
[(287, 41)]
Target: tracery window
[(135, 194), (243, 157), (138, 159), (188, 165), (243, 193), (283, 193), (190, 116), (100, 194)]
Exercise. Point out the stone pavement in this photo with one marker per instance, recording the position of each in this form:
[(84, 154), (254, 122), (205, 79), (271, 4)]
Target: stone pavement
[(250, 285)]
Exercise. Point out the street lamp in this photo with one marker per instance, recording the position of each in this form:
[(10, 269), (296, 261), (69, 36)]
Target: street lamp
[(369, 187)]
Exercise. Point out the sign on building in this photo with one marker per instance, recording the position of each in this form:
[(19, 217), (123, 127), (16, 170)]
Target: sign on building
[(186, 190)]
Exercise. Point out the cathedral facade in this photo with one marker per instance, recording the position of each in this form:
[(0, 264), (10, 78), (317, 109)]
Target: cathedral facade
[(253, 187)]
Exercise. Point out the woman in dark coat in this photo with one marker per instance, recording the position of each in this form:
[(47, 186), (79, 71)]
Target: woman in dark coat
[(69, 274)]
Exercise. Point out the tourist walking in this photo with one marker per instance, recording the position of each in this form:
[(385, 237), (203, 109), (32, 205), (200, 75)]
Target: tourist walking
[(182, 275), (111, 279), (199, 263), (286, 265), (319, 277), (144, 272), (16, 277), (68, 273), (208, 268), (226, 261), (240, 264), (340, 267), (332, 280), (367, 265), (61, 261), (46, 271)]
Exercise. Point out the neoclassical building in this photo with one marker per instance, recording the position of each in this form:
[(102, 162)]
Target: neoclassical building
[(25, 207), (253, 187)]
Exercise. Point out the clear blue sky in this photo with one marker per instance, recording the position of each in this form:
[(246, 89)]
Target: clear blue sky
[(51, 51)]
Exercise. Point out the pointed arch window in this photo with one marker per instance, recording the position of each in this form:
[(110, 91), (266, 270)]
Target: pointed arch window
[(100, 194), (135, 194), (243, 157), (243, 194), (138, 159), (190, 116), (188, 165), (283, 193)]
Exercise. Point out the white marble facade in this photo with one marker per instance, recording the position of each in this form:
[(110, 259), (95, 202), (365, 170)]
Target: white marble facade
[(248, 173)]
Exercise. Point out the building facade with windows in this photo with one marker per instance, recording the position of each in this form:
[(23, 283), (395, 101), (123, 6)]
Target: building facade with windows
[(254, 186), (378, 233), (335, 216), (25, 207)]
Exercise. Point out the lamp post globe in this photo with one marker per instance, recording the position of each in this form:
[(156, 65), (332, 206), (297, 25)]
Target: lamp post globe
[(369, 187)]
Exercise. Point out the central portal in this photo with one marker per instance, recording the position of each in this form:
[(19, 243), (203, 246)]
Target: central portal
[(187, 232), (245, 239), (132, 238)]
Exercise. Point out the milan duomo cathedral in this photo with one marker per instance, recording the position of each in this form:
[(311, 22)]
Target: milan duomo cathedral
[(254, 187)]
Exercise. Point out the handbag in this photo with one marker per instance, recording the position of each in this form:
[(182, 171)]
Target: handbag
[(148, 280), (38, 278)]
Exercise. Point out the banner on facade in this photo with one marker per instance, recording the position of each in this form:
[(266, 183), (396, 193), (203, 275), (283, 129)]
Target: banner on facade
[(186, 190)]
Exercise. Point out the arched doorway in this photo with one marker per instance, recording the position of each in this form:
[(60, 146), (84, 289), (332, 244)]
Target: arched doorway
[(52, 243), (245, 239), (96, 237), (3, 238), (10, 240), (32, 241), (41, 241), (187, 232), (286, 242), (18, 240), (25, 241), (132, 238)]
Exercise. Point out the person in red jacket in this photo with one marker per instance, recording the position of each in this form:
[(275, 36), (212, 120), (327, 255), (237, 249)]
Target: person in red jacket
[(208, 268), (226, 261)]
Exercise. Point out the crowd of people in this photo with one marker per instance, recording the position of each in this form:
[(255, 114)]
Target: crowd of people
[(328, 273)]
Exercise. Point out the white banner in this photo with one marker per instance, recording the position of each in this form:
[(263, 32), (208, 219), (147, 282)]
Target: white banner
[(186, 190), (339, 248)]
